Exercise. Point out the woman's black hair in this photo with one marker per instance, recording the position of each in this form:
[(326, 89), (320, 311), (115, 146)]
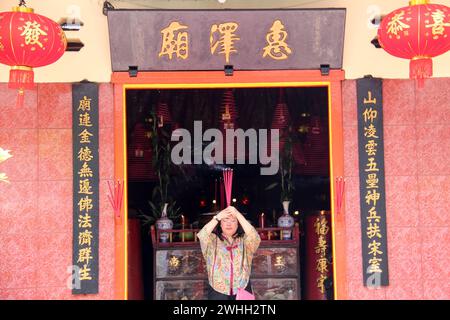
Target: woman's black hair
[(218, 232)]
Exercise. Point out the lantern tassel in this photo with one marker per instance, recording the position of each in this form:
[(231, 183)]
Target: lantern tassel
[(420, 69), (21, 78)]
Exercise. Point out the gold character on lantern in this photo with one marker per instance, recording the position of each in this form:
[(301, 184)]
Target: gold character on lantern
[(32, 32), (438, 27), (396, 24), (277, 47), (175, 41), (226, 40)]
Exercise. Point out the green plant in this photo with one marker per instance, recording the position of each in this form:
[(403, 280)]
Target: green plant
[(162, 164), (285, 171)]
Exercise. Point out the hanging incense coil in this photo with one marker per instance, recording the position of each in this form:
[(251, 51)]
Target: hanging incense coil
[(228, 111), (163, 114), (140, 156), (281, 115), (228, 116)]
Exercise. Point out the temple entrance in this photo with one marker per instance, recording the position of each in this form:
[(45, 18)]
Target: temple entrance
[(196, 193)]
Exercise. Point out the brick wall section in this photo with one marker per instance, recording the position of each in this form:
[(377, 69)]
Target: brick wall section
[(417, 145), (36, 207)]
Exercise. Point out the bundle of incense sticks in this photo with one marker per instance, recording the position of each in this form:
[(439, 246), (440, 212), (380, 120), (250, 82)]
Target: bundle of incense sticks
[(115, 197), (340, 187), (228, 183)]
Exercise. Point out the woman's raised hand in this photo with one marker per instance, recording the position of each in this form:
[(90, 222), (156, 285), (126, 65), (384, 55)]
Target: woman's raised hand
[(225, 213)]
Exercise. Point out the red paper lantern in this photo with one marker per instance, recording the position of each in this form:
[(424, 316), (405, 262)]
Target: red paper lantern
[(27, 41), (418, 32)]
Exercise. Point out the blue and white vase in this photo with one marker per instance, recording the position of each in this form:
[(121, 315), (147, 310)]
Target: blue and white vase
[(286, 221), (164, 223)]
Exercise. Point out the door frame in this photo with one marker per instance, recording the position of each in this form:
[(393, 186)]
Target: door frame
[(240, 79)]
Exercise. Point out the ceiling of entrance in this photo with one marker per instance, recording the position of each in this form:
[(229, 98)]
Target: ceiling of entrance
[(210, 4)]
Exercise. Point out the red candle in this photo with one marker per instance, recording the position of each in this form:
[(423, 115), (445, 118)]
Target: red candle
[(182, 221), (261, 220)]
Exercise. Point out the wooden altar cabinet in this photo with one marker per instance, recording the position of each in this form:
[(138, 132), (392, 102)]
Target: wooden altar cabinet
[(179, 270)]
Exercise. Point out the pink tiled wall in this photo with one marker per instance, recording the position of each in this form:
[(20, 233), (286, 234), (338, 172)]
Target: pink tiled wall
[(36, 207), (417, 147)]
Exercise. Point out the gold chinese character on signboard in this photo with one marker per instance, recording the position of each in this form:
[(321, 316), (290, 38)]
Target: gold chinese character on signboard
[(372, 196), (374, 265), (370, 100), (277, 47), (85, 171), (85, 187), (84, 255), (439, 25), (85, 204), (226, 40), (85, 237), (371, 148), (85, 154), (374, 247), (370, 132), (85, 273), (372, 181), (370, 114), (32, 32), (84, 221), (85, 120), (373, 230), (322, 246), (397, 24), (85, 104), (321, 226), (371, 166), (175, 41), (321, 283), (373, 215), (322, 265), (84, 135)]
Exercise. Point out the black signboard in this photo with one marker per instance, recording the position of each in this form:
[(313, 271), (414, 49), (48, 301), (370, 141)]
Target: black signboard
[(372, 182), (210, 39), (85, 188)]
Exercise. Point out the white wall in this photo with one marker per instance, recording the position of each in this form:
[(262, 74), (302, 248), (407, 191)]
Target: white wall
[(93, 61)]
